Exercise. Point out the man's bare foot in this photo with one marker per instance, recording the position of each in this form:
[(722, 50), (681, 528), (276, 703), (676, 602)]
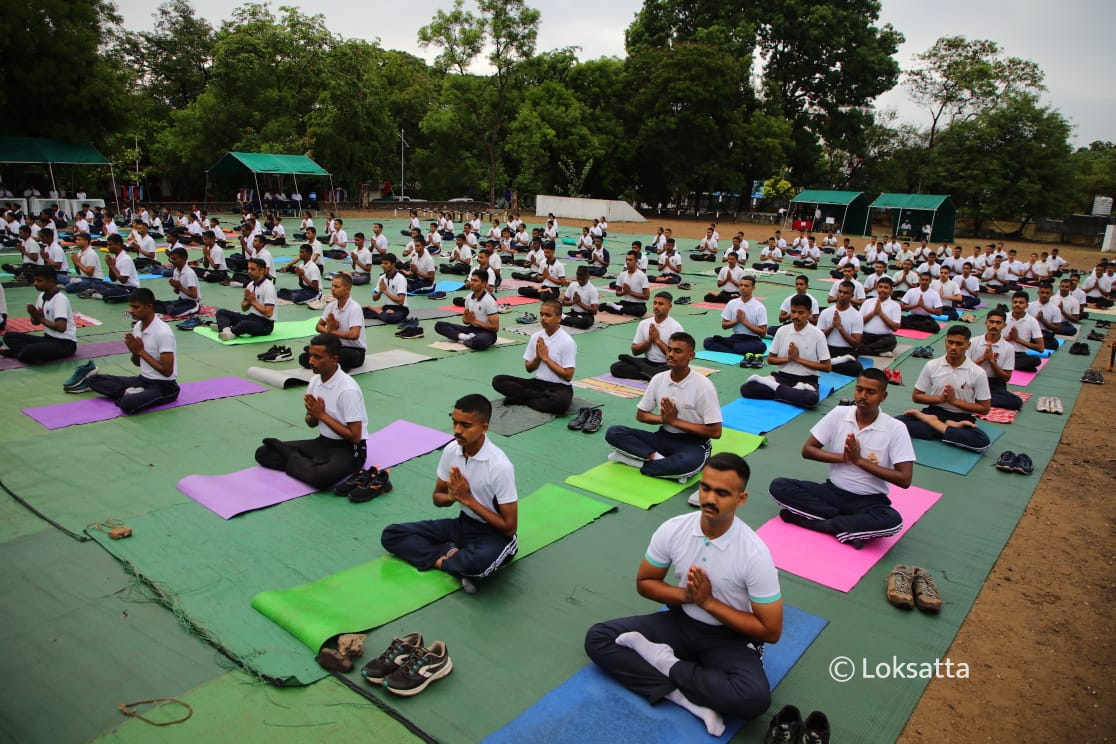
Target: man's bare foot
[(961, 424), (449, 554)]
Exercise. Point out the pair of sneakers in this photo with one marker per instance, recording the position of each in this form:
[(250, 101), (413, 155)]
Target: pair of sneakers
[(911, 586), (1050, 404), (1080, 348), (923, 352), (588, 420), (1009, 462), (1093, 376), (276, 354), (410, 328), (407, 666), (752, 361), (365, 485), (787, 727)]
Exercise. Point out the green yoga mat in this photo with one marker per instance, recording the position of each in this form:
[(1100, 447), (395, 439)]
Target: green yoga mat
[(626, 484), (387, 588), (283, 331), (935, 454)]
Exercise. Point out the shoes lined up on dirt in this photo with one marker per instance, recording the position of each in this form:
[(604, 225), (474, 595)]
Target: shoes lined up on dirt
[(407, 666)]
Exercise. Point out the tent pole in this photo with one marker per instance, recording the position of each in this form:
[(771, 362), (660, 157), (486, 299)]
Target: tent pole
[(331, 189), (844, 221), (205, 194), (53, 185), (257, 195), (115, 192), (295, 177)]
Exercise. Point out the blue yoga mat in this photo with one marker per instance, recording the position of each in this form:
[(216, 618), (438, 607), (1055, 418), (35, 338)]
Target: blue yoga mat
[(1045, 352), (761, 416), (592, 707), (448, 286), (932, 453)]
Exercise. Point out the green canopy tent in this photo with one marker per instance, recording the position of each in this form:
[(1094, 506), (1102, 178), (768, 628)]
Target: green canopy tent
[(935, 210), (51, 152), (268, 164), (848, 210)]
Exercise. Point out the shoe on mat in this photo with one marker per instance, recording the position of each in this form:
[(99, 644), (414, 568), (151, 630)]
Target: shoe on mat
[(189, 324), (785, 727), (503, 308), (816, 729), (1095, 336), (926, 596), (1079, 348), (899, 587), (685, 285), (684, 300), (1054, 405), (412, 332), (423, 666), (79, 375), (277, 354), (593, 424), (527, 319), (579, 420), (377, 484), (746, 362), (392, 658), (1022, 464), (1006, 462), (345, 487), (1040, 405)]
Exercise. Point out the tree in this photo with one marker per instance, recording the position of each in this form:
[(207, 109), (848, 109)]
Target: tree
[(1012, 162), (957, 79), (1094, 170), (172, 63)]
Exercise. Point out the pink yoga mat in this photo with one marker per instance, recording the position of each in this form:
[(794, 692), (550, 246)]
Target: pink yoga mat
[(90, 410), (819, 557), (513, 301), (84, 351), (256, 487), (909, 333), (1023, 379)]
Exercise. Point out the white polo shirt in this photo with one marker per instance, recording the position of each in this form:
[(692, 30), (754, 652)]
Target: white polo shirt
[(57, 307), (310, 274), (188, 278), (588, 294), (158, 338), (858, 289), (884, 442), (850, 319), (811, 346), (695, 398), (347, 317), (1050, 311), (556, 270), (738, 563), (1001, 352), (265, 295), (344, 401), (632, 283), (397, 285), (125, 266), (560, 347), (970, 382), (786, 306), (754, 311), (1026, 328), (423, 264), (876, 326), (90, 260), (732, 278), (490, 473), (915, 294), (482, 309), (667, 328)]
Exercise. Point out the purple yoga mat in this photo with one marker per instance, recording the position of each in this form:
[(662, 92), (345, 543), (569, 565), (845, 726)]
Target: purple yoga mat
[(256, 487), (90, 410), (84, 351)]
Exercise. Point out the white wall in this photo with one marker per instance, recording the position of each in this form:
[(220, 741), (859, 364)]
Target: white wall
[(586, 209)]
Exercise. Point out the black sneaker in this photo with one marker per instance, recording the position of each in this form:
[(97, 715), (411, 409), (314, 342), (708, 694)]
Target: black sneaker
[(785, 728), (816, 729), (377, 484), (281, 354), (345, 487), (1006, 462), (593, 425), (393, 657), (1079, 348), (270, 351), (579, 420), (421, 668), (411, 332), (1023, 465)]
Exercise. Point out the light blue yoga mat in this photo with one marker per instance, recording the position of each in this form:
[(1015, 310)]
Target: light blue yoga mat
[(448, 286), (761, 416), (592, 707), (1045, 352), (934, 454)]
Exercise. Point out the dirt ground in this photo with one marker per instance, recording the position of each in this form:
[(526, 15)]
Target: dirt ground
[(1043, 625)]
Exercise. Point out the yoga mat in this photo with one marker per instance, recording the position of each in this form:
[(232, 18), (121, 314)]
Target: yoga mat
[(531, 328), (512, 420), (606, 318), (762, 416), (881, 361), (449, 286), (284, 330), (1023, 379), (711, 305), (626, 484), (24, 325), (375, 593), (203, 310), (257, 487), (285, 378), (84, 351), (1004, 415), (918, 335), (513, 301), (720, 357), (96, 409), (456, 346), (592, 707), (1045, 353), (932, 453), (820, 558)]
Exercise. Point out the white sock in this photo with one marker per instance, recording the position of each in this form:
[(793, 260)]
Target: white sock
[(654, 456), (765, 380), (659, 655), (463, 337), (714, 724), (842, 359)]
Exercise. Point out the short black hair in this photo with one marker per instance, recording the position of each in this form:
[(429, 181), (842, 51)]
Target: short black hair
[(142, 295), (802, 301), (878, 375), (959, 330), (998, 312), (684, 338), (331, 343), (45, 272), (1022, 294), (475, 403), (179, 252), (664, 295), (730, 461)]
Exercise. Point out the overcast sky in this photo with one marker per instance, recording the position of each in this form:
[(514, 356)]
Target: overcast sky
[(1069, 40)]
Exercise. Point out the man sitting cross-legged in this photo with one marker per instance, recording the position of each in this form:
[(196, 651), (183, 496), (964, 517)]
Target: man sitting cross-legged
[(844, 330), (632, 289), (881, 316), (651, 341), (335, 405), (51, 310), (954, 390), (705, 652), (257, 316), (343, 318), (392, 286), (801, 351), (552, 355), (747, 317), (582, 299), (996, 357), (476, 474), (689, 417), (728, 280), (866, 449), (481, 317)]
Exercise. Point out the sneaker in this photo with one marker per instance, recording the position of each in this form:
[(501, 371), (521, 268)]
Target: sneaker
[(1041, 405), (345, 487), (189, 324), (685, 286), (318, 304), (376, 484), (226, 334), (1079, 348), (816, 729), (1054, 405), (624, 458), (278, 354), (1006, 462), (393, 657), (967, 318), (437, 295), (79, 387), (1095, 336), (593, 424), (900, 592), (269, 352), (894, 376), (926, 596), (79, 375), (411, 332), (684, 300), (579, 420), (527, 319), (785, 728), (1022, 464), (86, 294), (422, 667), (503, 308), (746, 362)]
